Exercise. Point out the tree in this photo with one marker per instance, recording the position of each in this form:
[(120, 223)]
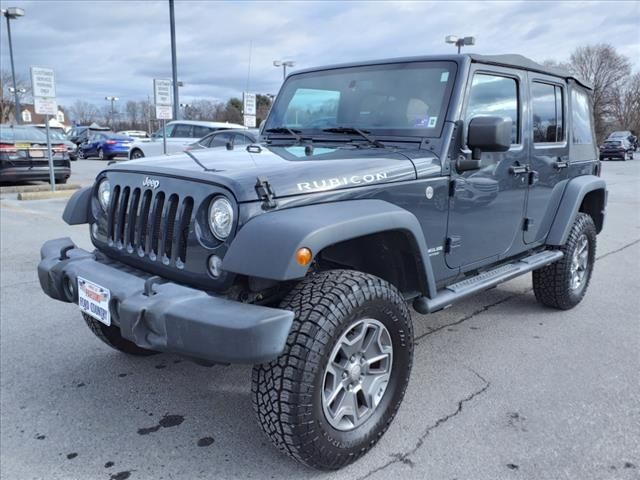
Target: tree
[(233, 111), (132, 113), (84, 112), (263, 105), (626, 105), (607, 71), (7, 99)]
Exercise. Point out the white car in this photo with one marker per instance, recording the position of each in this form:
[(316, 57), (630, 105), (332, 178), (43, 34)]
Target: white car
[(134, 133), (180, 133)]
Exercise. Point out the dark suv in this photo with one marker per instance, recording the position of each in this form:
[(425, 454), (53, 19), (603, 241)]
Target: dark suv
[(377, 186)]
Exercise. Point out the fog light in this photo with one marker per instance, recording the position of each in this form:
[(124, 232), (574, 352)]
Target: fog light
[(215, 266), (303, 256)]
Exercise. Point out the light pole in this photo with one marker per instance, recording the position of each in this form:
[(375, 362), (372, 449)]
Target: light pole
[(12, 13), (284, 64), (113, 112), (174, 63), (460, 41)]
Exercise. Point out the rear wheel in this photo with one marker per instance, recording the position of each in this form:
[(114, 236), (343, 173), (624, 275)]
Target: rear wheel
[(564, 283), (337, 386), (100, 154), (137, 153), (80, 154), (110, 334)]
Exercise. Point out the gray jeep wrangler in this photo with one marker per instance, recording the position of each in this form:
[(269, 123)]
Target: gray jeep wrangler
[(375, 186)]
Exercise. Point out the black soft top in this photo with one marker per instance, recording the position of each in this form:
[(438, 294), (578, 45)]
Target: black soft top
[(507, 60), (524, 63)]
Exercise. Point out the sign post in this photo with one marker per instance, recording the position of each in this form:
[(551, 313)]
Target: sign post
[(163, 101), (43, 85), (249, 109)]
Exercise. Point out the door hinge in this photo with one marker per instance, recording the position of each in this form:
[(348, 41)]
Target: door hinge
[(528, 222), (452, 242), (265, 193), (452, 188)]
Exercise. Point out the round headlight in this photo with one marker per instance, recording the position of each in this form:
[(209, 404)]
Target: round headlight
[(220, 217), (104, 194)]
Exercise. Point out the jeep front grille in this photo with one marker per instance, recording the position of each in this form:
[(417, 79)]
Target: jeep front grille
[(150, 223)]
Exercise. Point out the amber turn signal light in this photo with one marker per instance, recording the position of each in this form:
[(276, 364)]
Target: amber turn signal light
[(304, 256)]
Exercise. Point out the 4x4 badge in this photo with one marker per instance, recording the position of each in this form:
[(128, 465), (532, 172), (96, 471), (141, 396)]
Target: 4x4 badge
[(151, 183)]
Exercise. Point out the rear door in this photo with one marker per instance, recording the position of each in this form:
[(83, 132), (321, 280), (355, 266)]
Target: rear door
[(487, 205), (549, 153)]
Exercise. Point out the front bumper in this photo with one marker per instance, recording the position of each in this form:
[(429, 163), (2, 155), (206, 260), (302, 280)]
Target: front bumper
[(160, 315)]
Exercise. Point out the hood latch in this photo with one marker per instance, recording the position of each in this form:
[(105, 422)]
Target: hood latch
[(265, 193)]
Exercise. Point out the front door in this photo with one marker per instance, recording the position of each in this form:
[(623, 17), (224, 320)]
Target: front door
[(549, 154), (486, 206)]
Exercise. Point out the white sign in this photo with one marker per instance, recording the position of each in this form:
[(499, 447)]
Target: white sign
[(43, 82), (250, 121), (249, 103), (162, 92), (45, 106), (164, 112)]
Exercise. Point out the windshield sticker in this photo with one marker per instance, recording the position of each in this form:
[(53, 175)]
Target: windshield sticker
[(329, 183), (432, 122), (421, 122), (444, 77)]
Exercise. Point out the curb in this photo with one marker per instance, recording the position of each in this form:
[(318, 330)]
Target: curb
[(45, 195), (38, 188)]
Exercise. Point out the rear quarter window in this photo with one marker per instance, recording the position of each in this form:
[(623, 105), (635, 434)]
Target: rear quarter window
[(581, 118)]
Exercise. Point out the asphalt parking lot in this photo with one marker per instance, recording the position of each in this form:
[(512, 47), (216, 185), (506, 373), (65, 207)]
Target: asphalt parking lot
[(501, 386)]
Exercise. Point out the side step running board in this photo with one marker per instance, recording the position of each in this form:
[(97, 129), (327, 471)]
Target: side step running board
[(483, 281)]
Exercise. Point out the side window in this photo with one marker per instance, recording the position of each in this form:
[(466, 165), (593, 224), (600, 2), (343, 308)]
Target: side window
[(241, 140), (495, 96), (547, 106), (221, 139), (182, 130), (199, 131), (580, 118)]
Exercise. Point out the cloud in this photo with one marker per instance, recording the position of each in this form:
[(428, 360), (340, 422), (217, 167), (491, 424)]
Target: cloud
[(117, 47)]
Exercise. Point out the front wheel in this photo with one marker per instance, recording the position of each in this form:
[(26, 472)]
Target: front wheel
[(336, 388), (80, 154), (564, 283), (100, 154), (137, 153)]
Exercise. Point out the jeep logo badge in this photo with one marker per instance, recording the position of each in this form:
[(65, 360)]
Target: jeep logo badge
[(151, 183)]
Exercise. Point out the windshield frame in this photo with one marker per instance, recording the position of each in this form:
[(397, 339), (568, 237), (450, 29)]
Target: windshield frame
[(285, 95)]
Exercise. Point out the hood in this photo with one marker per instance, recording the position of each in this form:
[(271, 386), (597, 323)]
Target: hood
[(288, 170)]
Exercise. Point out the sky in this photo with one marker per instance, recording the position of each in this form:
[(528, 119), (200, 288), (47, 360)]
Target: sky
[(116, 47)]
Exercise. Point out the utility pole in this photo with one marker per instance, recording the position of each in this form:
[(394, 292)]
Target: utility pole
[(12, 13), (174, 66)]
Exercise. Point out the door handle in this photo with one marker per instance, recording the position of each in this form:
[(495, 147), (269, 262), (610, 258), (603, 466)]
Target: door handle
[(517, 169), (561, 163)]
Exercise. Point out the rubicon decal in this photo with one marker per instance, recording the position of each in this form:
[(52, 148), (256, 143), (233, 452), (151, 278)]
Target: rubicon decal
[(329, 183)]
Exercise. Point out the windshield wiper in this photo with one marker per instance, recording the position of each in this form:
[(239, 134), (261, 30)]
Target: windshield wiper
[(351, 130), (290, 131)]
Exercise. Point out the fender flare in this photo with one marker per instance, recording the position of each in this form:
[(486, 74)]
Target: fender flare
[(265, 246), (76, 212), (574, 193)]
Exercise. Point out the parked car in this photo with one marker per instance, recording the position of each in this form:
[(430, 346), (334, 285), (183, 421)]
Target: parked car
[(627, 135), (134, 133), (223, 138), (80, 134), (105, 146), (303, 255), (616, 147), (24, 156), (179, 134), (58, 135)]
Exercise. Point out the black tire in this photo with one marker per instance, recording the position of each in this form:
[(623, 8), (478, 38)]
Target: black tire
[(287, 392), (111, 336), (61, 181), (80, 154), (552, 284), (137, 153)]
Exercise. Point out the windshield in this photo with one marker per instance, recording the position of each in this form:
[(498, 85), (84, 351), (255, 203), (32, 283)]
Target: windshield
[(394, 99)]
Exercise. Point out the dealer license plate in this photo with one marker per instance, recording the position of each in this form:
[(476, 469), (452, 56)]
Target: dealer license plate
[(94, 300)]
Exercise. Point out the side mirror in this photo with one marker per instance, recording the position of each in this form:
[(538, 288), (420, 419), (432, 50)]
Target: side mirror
[(488, 134)]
